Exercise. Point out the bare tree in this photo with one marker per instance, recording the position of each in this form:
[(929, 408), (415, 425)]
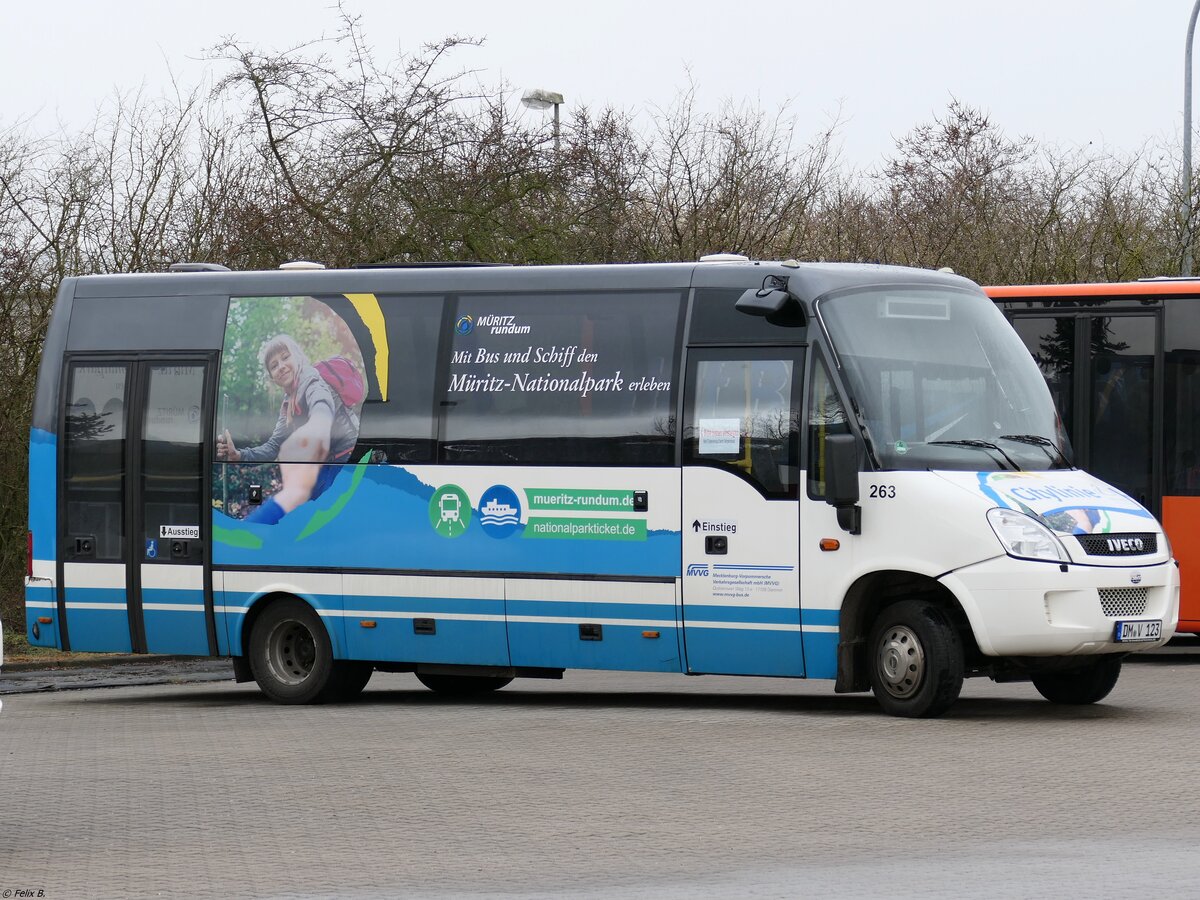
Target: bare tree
[(734, 181)]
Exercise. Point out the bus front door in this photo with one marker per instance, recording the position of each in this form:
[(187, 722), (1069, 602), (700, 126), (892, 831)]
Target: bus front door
[(134, 536), (741, 584)]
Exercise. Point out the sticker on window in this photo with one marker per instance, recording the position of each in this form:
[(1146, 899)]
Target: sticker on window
[(720, 436)]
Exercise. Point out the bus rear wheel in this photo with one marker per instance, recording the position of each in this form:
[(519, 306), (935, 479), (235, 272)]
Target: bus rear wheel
[(463, 685), (1090, 683), (916, 660), (290, 655)]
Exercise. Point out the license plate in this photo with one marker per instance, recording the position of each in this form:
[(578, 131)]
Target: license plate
[(1145, 630)]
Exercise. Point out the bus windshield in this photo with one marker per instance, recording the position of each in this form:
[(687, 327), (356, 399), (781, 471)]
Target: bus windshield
[(941, 381)]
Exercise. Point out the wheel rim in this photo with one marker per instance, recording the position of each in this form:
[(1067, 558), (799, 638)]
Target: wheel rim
[(291, 652), (900, 661)]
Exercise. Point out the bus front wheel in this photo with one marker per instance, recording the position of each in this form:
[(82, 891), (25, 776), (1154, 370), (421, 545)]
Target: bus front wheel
[(1090, 683), (916, 660), (290, 655)]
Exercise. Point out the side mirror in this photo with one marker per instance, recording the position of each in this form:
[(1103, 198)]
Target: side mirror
[(841, 480), (762, 303)]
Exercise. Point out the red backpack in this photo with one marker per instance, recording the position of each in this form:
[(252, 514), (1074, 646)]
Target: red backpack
[(345, 379)]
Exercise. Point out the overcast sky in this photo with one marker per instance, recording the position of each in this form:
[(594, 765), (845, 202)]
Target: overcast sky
[(1067, 72)]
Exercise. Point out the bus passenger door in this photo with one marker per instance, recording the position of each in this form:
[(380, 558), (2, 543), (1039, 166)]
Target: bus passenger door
[(169, 581), (741, 540), (93, 613), (134, 575)]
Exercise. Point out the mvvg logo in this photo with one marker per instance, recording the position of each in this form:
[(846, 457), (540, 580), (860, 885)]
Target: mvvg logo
[(700, 569)]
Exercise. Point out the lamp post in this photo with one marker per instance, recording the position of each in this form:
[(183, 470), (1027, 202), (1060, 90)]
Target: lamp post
[(1186, 209), (536, 98)]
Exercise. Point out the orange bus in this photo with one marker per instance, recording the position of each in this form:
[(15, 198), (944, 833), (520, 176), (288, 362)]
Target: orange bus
[(1123, 364)]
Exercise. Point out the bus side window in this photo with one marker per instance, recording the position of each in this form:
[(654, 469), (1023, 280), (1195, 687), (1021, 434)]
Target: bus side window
[(825, 416), (742, 417), (562, 378), (94, 476)]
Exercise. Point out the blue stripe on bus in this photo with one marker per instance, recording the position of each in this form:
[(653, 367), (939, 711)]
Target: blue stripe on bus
[(582, 610), (244, 599), (623, 647), (765, 615), (40, 593), (820, 616), (467, 606), (455, 641), (181, 596), (80, 594), (466, 641)]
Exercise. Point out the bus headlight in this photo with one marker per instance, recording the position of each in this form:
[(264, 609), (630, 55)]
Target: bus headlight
[(1025, 537)]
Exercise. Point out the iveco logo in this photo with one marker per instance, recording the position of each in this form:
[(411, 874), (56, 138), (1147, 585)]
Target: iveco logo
[(1135, 578), (1126, 545)]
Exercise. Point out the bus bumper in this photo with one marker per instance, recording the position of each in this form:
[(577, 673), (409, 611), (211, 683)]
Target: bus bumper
[(1022, 608)]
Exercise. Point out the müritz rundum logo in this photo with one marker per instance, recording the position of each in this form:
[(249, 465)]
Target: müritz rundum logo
[(464, 325)]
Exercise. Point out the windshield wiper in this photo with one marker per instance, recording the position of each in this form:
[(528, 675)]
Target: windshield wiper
[(1039, 441), (979, 445)]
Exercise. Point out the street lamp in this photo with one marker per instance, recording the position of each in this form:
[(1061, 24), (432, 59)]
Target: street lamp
[(536, 98), (1186, 268)]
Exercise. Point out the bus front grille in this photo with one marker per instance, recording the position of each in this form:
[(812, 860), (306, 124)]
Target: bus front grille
[(1133, 544), (1118, 602)]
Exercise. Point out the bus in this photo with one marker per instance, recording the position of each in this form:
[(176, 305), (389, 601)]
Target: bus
[(1122, 362), (475, 473)]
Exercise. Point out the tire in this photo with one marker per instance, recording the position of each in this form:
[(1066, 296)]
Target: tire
[(348, 680), (1090, 683), (463, 685), (916, 660), (290, 655)]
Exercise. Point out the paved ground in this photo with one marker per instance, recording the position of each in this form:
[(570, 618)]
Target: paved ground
[(602, 785)]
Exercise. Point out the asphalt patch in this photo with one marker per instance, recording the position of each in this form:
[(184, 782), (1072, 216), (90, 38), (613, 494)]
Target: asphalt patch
[(164, 670)]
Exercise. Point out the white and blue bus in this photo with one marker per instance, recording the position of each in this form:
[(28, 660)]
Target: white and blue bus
[(480, 473)]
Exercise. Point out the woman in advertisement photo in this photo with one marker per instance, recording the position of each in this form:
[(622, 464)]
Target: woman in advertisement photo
[(316, 429)]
